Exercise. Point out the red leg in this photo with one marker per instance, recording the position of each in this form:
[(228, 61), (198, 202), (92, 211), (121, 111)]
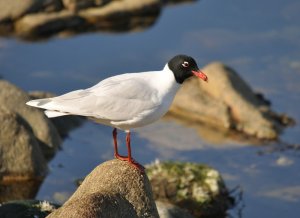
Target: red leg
[(129, 157), (115, 142), (116, 146)]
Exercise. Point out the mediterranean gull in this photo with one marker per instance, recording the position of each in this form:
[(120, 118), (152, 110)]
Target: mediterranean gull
[(125, 101)]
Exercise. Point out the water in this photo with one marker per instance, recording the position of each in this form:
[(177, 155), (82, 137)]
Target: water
[(260, 39)]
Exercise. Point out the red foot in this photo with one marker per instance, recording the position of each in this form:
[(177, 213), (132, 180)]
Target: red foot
[(132, 162), (128, 158)]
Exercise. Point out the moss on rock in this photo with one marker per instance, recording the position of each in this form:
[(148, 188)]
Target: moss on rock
[(195, 187)]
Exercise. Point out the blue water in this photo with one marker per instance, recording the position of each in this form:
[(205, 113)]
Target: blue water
[(260, 39)]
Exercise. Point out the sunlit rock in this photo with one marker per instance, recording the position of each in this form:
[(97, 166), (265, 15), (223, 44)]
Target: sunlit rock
[(227, 102), (196, 187), (112, 189), (75, 5), (11, 10)]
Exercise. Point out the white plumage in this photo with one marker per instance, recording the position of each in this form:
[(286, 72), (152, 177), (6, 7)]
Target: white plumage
[(124, 101)]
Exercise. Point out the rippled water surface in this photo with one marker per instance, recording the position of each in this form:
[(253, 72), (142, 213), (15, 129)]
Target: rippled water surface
[(260, 39)]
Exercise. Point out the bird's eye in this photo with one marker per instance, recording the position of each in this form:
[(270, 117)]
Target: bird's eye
[(185, 64)]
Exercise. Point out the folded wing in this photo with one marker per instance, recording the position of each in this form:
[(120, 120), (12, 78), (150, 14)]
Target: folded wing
[(117, 98)]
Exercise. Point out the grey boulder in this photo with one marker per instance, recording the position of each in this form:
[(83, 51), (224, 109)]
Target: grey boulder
[(14, 99), (20, 153)]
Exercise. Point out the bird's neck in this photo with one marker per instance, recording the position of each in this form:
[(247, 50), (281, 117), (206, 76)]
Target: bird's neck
[(168, 81)]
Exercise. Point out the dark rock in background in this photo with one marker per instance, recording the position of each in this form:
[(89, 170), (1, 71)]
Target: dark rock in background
[(18, 189), (26, 209), (28, 140), (14, 99), (20, 153)]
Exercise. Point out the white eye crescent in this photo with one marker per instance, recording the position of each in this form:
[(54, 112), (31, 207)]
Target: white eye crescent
[(185, 64)]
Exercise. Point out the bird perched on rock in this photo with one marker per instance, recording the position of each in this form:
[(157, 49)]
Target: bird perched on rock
[(125, 101)]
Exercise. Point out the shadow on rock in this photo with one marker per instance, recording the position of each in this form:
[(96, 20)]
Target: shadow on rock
[(26, 208), (19, 190)]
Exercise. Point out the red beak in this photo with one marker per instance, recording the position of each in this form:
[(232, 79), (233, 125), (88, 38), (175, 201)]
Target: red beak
[(200, 74)]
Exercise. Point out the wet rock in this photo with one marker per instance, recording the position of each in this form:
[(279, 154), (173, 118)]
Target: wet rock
[(122, 15), (26, 208), (14, 100), (228, 102), (18, 188), (43, 25), (114, 17), (37, 20), (20, 155), (12, 9), (51, 6), (194, 187), (63, 124), (167, 210), (113, 189), (75, 5)]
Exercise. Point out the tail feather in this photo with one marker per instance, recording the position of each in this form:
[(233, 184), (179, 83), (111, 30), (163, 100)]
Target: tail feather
[(51, 114), (45, 103)]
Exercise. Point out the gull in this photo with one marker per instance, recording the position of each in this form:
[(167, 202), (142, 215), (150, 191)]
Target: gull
[(126, 101)]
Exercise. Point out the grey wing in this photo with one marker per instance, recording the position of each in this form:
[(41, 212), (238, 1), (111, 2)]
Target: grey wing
[(116, 99)]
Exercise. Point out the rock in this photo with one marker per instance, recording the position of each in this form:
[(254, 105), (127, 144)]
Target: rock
[(194, 187), (26, 208), (12, 9), (227, 102), (14, 100), (115, 16), (63, 124), (105, 15), (118, 16), (18, 188), (167, 210), (75, 5), (43, 25), (112, 189), (51, 6), (40, 19), (193, 104), (20, 153)]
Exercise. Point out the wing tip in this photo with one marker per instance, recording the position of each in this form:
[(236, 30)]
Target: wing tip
[(38, 102)]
